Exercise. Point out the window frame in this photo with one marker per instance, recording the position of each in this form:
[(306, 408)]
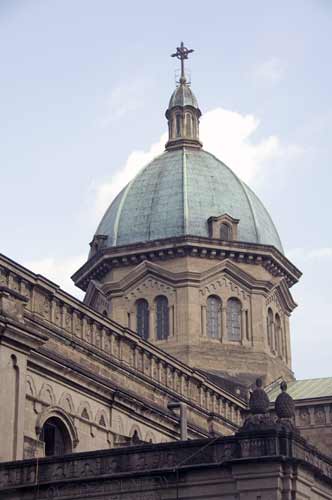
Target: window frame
[(142, 318), (213, 317), (234, 322), (162, 317)]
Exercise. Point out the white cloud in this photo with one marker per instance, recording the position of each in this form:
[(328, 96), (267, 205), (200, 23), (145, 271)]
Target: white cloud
[(59, 271), (107, 191), (269, 72), (226, 134)]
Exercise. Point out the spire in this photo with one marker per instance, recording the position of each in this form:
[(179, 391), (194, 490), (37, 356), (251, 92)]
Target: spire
[(183, 112)]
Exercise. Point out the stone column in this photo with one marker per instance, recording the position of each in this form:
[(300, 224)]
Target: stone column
[(223, 323), (203, 321), (312, 415), (287, 340), (243, 326), (171, 321), (152, 322), (273, 333)]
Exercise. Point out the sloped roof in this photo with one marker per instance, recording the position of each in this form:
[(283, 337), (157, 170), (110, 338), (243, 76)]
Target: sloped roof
[(305, 389)]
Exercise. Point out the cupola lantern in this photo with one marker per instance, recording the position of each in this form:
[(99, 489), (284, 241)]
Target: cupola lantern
[(183, 113)]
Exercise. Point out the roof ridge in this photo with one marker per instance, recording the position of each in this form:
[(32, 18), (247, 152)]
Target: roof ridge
[(185, 191), (239, 181)]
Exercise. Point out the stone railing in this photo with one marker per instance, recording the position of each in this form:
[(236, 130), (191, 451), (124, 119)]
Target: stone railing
[(48, 305), (54, 475)]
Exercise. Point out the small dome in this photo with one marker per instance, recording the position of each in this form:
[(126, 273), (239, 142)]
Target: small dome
[(176, 194), (183, 96)]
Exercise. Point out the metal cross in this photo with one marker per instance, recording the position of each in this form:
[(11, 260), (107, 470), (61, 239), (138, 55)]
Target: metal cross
[(182, 54)]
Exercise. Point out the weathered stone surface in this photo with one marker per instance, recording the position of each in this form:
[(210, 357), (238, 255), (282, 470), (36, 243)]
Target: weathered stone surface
[(247, 464)]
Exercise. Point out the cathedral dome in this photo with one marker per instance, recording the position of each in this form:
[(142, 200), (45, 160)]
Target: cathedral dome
[(181, 191), (176, 194)]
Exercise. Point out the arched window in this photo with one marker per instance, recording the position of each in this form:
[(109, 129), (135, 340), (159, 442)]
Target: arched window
[(189, 125), (225, 231), (142, 318), (278, 334), (56, 438), (162, 317), (233, 319), (177, 125), (213, 319), (270, 327)]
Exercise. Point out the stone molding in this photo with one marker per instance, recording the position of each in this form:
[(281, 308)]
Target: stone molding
[(57, 411), (268, 256)]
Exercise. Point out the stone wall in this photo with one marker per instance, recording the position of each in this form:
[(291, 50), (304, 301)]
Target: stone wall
[(187, 282), (268, 465), (102, 378)]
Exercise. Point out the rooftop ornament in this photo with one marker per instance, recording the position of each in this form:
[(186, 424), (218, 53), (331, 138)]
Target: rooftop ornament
[(284, 405), (259, 417), (183, 113), (182, 53), (259, 401)]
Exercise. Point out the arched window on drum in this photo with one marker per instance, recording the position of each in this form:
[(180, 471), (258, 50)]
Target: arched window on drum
[(178, 125), (269, 326), (213, 317), (189, 125), (162, 318), (234, 319), (142, 318), (278, 334)]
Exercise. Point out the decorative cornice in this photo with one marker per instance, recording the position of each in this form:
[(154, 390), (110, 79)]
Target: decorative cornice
[(267, 256)]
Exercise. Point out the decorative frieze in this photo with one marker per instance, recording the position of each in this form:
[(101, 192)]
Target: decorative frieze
[(100, 473)]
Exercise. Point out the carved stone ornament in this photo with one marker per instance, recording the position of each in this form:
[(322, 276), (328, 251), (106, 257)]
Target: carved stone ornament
[(304, 416), (259, 401), (12, 304), (258, 422), (44, 307), (285, 407), (320, 416)]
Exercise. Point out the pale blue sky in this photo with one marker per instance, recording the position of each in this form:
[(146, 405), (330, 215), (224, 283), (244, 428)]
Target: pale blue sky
[(84, 84)]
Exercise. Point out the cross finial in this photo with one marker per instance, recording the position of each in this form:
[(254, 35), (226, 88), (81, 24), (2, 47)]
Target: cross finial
[(182, 54)]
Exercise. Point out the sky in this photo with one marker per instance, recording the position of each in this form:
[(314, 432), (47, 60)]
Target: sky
[(84, 88)]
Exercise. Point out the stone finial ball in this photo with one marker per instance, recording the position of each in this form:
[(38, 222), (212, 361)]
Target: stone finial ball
[(284, 406), (259, 382), (259, 401)]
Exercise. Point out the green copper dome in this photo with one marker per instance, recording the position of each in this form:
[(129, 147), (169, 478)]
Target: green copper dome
[(183, 96), (175, 195)]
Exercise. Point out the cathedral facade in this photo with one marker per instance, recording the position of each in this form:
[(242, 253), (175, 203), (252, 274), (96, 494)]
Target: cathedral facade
[(187, 301)]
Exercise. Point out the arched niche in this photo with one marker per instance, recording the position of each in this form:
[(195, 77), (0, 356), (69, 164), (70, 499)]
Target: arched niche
[(135, 434), (56, 428)]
